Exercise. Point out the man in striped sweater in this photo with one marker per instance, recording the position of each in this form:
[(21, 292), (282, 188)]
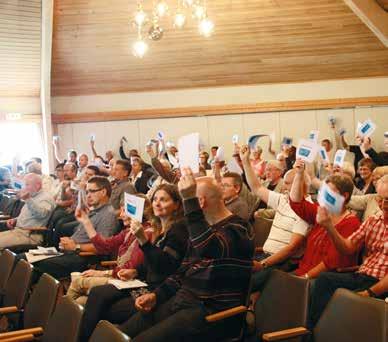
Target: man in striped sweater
[(214, 275)]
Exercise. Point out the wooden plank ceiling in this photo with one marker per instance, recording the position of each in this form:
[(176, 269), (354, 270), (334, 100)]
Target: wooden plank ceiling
[(20, 34), (255, 42), (383, 4)]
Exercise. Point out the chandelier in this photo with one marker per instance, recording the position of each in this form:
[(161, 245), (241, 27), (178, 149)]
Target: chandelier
[(149, 24)]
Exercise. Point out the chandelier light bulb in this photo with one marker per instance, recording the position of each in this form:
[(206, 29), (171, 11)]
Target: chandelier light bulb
[(206, 27), (161, 9), (199, 12), (179, 20), (140, 17), (188, 3), (139, 48)]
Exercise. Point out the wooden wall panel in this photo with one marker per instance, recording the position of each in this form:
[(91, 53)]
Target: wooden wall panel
[(255, 42), (20, 35)]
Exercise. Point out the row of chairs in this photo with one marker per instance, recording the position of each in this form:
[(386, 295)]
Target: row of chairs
[(10, 206), (43, 317), (281, 314)]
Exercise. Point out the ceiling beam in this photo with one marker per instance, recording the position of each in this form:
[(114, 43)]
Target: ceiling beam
[(373, 16)]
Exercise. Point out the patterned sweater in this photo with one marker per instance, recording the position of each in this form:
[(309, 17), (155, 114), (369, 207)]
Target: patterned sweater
[(217, 267)]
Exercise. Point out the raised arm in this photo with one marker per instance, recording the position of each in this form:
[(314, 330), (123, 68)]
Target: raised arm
[(57, 155), (253, 181), (296, 193), (92, 145)]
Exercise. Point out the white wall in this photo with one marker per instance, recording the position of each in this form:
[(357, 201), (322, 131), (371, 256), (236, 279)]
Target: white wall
[(320, 90), (23, 105), (218, 130)]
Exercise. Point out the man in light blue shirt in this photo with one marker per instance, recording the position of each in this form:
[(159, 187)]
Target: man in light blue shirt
[(38, 207)]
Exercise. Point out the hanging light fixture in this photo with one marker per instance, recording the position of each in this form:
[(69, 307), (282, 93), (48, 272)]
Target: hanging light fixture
[(160, 9), (199, 11), (206, 27), (140, 16), (139, 47), (180, 17)]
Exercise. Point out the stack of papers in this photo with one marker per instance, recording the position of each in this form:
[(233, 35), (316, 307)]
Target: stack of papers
[(127, 284), (41, 253)]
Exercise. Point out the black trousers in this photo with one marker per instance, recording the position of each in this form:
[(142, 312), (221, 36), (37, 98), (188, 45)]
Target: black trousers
[(105, 302), (325, 286), (61, 266), (175, 321)]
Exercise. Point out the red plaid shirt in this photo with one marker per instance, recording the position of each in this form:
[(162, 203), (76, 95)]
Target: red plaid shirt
[(373, 233)]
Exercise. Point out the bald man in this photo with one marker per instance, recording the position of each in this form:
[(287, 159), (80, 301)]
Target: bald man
[(38, 207), (214, 275)]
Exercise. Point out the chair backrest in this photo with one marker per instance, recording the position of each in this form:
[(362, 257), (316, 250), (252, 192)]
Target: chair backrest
[(262, 227), (106, 331), (283, 303), (41, 303), (17, 285), (7, 259), (64, 324), (349, 317), (17, 207)]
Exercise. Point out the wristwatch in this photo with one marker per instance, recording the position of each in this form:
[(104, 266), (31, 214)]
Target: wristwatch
[(77, 248), (371, 293)]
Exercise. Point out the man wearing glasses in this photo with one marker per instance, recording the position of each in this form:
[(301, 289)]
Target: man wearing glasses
[(102, 215), (371, 278)]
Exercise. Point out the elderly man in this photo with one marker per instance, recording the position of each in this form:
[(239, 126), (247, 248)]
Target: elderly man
[(104, 220), (37, 209), (369, 279), (214, 275), (288, 231)]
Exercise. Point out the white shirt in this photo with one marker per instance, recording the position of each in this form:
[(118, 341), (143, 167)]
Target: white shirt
[(285, 223)]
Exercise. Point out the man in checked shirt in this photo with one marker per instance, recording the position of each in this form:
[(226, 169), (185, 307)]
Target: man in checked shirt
[(371, 280)]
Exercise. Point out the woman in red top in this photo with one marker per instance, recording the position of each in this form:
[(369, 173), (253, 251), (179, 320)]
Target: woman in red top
[(320, 254), (124, 245)]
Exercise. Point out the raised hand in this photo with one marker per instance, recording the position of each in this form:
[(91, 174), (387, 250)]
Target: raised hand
[(299, 166), (324, 218), (245, 153), (187, 185), (127, 274)]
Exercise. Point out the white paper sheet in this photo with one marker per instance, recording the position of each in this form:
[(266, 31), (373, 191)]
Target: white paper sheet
[(323, 155), (188, 151), (313, 136), (307, 150), (233, 166), (367, 128), (134, 206), (339, 157), (329, 199), (128, 284), (220, 155)]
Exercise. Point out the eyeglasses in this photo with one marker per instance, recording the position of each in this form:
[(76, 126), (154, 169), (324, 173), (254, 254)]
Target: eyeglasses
[(93, 190)]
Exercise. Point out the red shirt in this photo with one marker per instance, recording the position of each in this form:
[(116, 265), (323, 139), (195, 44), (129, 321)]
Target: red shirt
[(319, 247), (118, 245)]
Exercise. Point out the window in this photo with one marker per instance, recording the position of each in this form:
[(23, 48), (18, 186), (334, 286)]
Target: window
[(21, 139)]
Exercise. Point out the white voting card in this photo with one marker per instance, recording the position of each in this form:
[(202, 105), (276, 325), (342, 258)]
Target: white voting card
[(134, 206), (188, 151)]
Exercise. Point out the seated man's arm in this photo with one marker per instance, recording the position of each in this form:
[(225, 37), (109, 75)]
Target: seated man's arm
[(286, 252), (381, 287), (253, 181), (40, 209)]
